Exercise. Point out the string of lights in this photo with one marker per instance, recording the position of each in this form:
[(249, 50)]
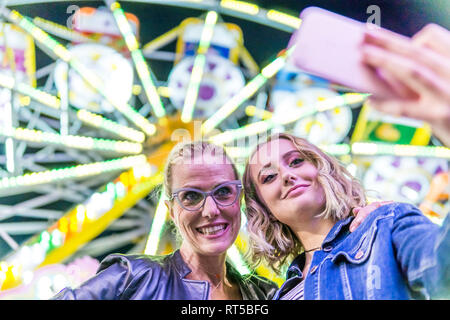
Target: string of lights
[(199, 63), (244, 94), (142, 67), (63, 53), (76, 142), (69, 173)]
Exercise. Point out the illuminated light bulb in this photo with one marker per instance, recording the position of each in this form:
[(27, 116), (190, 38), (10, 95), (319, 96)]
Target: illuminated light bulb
[(111, 126), (253, 111), (57, 238), (63, 225), (270, 70), (37, 253), (241, 6), (27, 277), (284, 18), (2, 278), (4, 266), (138, 59), (144, 171), (336, 149), (73, 225), (6, 81), (111, 190), (197, 70), (71, 172), (442, 152), (125, 179), (245, 131), (245, 93), (23, 257), (120, 190), (159, 219), (16, 271), (232, 104), (45, 237), (81, 213), (77, 142), (364, 148)]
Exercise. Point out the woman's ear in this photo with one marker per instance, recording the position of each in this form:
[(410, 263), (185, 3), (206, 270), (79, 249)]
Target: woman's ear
[(169, 207)]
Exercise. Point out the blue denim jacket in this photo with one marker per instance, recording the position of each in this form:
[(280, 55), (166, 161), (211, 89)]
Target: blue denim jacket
[(396, 253)]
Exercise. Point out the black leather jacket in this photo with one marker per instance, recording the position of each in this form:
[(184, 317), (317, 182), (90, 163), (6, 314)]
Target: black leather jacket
[(140, 277)]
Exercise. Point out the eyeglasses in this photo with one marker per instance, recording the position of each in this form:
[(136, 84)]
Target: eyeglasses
[(224, 195)]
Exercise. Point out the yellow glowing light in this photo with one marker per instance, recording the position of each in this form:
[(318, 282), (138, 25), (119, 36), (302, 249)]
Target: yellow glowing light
[(284, 18), (197, 70), (241, 6)]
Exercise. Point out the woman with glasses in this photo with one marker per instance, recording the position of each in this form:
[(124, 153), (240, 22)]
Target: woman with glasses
[(204, 191)]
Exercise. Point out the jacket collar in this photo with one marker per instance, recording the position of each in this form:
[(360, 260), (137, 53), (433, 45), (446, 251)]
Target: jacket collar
[(183, 269), (337, 228), (296, 266), (180, 266)]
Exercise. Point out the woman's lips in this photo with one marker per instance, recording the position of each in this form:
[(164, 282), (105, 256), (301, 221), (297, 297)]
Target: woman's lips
[(215, 230), (297, 189)]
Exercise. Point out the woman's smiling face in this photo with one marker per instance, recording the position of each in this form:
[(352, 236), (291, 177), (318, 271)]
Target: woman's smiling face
[(286, 183), (212, 229)]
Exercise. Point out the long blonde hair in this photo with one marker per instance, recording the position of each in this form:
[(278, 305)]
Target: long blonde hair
[(273, 241)]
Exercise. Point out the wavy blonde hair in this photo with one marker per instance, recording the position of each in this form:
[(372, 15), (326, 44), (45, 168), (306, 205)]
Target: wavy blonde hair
[(273, 241)]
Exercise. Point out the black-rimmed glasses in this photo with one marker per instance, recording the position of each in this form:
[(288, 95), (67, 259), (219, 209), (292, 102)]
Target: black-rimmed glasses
[(224, 195)]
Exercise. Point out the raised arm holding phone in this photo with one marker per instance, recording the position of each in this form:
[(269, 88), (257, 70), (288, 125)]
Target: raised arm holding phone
[(406, 76), (418, 70)]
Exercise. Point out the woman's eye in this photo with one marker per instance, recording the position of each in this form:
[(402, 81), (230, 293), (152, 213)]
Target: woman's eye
[(268, 178), (296, 161), (223, 192), (191, 196)]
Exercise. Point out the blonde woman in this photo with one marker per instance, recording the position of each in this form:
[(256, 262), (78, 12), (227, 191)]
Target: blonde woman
[(299, 202)]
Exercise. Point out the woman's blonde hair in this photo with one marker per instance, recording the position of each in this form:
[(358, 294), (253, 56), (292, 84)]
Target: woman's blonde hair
[(273, 241), (191, 152)]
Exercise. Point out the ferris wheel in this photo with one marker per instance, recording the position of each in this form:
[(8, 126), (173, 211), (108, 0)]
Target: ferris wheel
[(84, 138)]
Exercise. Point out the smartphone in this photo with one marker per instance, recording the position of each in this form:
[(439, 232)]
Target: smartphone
[(328, 45)]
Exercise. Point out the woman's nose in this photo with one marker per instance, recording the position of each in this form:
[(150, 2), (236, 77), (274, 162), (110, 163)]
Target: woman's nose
[(288, 178), (210, 209)]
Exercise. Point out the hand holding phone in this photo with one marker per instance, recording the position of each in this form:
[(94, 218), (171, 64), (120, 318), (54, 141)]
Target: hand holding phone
[(328, 45)]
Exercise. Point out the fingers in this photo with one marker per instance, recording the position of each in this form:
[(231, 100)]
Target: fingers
[(406, 48), (434, 37), (434, 114), (389, 40), (414, 76), (362, 213), (398, 87)]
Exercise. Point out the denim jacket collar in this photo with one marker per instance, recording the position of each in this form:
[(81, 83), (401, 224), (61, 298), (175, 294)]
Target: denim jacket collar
[(296, 266)]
